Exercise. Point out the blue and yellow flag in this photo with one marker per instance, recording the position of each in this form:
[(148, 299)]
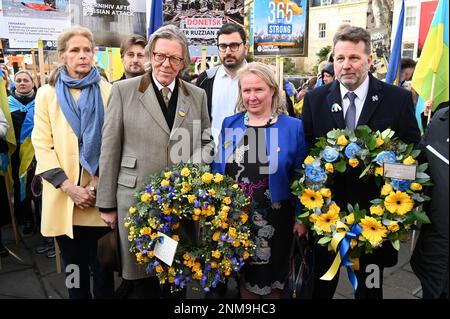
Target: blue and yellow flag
[(26, 152), (10, 138), (394, 66), (433, 64)]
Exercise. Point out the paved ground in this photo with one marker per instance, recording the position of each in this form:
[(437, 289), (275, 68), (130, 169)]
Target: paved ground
[(27, 275)]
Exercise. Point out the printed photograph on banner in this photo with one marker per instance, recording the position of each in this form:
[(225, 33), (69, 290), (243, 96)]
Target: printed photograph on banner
[(110, 20), (109, 60), (279, 27), (24, 22), (37, 9), (201, 20)]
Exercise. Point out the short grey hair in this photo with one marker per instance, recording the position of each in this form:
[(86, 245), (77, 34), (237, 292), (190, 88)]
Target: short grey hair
[(265, 73), (355, 35), (169, 32)]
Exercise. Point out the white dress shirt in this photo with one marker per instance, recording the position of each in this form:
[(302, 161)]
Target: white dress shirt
[(361, 94), (224, 97), (171, 86)]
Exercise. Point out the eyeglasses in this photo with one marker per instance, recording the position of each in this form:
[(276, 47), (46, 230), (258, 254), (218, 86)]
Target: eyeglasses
[(233, 46), (161, 57)]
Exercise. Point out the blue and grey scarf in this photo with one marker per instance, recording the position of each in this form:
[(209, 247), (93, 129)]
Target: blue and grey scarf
[(85, 116)]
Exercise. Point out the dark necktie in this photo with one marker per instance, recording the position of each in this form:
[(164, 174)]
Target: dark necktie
[(350, 116), (165, 93)]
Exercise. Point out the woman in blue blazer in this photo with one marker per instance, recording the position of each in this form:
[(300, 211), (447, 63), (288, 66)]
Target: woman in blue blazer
[(262, 148)]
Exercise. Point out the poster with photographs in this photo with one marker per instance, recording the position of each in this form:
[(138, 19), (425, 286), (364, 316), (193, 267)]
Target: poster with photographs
[(280, 27), (23, 23), (110, 20), (200, 20)]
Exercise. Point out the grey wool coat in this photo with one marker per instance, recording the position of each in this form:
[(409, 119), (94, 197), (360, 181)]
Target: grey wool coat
[(136, 143)]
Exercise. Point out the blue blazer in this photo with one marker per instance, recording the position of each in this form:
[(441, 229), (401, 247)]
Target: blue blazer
[(286, 149)]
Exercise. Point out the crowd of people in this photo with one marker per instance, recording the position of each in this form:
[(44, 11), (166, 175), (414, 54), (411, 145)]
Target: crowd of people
[(96, 143)]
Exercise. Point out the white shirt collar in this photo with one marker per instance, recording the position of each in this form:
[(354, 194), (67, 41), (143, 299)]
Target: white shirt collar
[(171, 86), (221, 72), (361, 91)]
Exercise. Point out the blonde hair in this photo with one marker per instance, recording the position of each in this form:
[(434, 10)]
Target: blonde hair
[(265, 73), (62, 40)]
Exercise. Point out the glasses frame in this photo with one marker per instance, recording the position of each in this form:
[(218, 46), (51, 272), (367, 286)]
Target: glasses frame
[(173, 60), (229, 46)]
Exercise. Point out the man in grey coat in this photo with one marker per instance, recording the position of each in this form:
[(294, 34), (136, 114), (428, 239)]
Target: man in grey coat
[(153, 121)]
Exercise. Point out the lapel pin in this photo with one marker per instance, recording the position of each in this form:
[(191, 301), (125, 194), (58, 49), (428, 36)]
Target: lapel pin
[(182, 113), (336, 108), (227, 144), (374, 98)]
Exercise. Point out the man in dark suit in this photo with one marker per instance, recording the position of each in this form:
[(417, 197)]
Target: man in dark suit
[(362, 100)]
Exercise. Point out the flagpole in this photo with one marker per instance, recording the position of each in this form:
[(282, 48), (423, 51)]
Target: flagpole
[(11, 208), (432, 97)]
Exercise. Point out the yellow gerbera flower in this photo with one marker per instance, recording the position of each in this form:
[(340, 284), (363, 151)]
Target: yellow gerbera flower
[(399, 203), (325, 221), (373, 230), (311, 199), (416, 187), (342, 140), (308, 160)]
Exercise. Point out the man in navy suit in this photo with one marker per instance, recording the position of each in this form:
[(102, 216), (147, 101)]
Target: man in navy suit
[(357, 99)]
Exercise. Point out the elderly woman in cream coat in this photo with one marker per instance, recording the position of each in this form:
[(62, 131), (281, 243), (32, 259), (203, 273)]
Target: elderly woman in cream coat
[(153, 121), (69, 116)]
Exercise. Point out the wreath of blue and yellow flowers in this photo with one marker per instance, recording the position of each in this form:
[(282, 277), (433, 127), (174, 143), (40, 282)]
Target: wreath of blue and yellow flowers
[(356, 231), (214, 203)]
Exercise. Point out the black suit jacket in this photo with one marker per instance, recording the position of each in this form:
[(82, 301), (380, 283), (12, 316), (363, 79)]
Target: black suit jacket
[(386, 106)]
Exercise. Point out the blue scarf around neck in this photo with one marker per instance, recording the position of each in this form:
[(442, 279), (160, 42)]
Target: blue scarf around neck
[(16, 105), (85, 116)]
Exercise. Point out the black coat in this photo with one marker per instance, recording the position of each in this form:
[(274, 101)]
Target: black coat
[(386, 106), (430, 258)]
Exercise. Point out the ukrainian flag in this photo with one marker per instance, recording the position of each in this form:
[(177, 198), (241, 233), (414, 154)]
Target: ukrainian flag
[(430, 79), (10, 138), (26, 152), (394, 66)]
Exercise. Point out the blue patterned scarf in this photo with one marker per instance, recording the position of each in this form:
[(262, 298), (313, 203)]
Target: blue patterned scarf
[(85, 116)]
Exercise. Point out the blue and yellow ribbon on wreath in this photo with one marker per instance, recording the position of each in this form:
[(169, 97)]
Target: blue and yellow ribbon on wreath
[(342, 239)]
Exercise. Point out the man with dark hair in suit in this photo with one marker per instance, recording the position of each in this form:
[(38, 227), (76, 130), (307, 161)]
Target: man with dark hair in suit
[(364, 100)]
